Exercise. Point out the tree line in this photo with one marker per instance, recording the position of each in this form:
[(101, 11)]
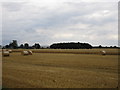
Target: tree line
[(14, 45), (68, 45), (71, 45)]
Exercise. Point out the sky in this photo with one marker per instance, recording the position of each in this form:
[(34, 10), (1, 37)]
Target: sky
[(47, 22)]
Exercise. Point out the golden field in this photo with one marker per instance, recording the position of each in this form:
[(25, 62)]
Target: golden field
[(73, 51), (47, 68)]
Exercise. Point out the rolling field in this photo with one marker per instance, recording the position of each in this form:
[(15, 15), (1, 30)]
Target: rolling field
[(60, 70)]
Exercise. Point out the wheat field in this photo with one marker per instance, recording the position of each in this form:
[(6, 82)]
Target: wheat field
[(60, 70)]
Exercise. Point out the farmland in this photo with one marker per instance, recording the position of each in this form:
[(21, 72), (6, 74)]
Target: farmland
[(49, 68)]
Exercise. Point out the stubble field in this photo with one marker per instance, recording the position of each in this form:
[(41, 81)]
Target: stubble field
[(60, 70)]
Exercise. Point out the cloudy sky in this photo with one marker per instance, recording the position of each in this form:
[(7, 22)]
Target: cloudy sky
[(47, 22)]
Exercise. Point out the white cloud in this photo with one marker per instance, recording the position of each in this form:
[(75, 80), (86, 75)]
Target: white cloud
[(67, 35), (105, 14), (79, 26), (113, 37)]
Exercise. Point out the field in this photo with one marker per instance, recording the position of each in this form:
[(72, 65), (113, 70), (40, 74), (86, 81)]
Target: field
[(45, 69)]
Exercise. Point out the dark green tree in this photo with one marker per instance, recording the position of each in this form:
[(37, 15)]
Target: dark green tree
[(37, 45), (100, 46), (21, 46), (6, 46), (26, 46), (71, 45), (13, 44)]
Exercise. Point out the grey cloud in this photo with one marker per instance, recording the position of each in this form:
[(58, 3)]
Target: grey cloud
[(13, 6), (62, 20)]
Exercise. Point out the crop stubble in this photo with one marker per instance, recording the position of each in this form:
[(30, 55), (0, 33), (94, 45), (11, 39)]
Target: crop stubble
[(50, 70)]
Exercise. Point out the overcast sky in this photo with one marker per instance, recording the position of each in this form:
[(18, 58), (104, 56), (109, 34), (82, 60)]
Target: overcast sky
[(40, 21)]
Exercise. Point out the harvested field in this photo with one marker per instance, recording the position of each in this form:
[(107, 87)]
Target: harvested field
[(73, 51), (56, 70)]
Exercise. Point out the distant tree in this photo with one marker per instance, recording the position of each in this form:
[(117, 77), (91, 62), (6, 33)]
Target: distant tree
[(3, 47), (33, 46), (100, 46), (26, 46), (6, 46), (0, 46), (13, 44), (47, 47), (37, 45), (71, 45), (110, 46), (21, 46), (106, 47)]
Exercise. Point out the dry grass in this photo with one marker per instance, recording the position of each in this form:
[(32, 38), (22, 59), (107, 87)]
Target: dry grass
[(44, 70), (73, 51)]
